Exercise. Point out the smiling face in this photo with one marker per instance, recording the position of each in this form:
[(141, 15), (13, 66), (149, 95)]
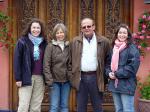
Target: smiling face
[(87, 27), (35, 29), (60, 35), (122, 34)]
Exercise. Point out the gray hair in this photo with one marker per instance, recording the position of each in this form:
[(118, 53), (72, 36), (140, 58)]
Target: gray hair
[(87, 18), (58, 27)]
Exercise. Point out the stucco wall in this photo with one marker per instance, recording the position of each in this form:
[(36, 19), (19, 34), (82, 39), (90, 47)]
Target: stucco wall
[(4, 70), (139, 8)]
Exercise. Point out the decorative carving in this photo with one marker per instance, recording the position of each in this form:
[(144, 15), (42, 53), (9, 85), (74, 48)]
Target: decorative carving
[(107, 96), (28, 12), (87, 9), (46, 95), (50, 25), (56, 12), (112, 20), (112, 17)]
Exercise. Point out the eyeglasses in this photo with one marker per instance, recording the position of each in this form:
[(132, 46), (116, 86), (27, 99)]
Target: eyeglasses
[(87, 27)]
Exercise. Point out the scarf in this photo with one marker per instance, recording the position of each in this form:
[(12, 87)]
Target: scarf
[(61, 44), (36, 42), (119, 46)]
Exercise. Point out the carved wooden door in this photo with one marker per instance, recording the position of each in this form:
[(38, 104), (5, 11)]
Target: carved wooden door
[(108, 14)]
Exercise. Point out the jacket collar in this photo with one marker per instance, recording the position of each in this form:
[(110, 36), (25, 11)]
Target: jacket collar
[(98, 37), (54, 42)]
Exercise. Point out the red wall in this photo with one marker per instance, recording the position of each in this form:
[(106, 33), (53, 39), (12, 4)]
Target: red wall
[(4, 70), (139, 8)]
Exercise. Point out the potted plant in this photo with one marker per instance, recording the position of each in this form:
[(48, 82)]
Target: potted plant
[(6, 39), (144, 90)]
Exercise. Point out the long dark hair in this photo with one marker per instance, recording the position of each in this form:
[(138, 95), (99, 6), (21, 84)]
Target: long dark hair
[(129, 39), (28, 27)]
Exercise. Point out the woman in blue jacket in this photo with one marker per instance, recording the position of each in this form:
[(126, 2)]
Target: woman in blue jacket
[(121, 68), (28, 67)]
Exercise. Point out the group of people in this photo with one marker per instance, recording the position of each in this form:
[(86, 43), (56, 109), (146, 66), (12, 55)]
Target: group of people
[(87, 63)]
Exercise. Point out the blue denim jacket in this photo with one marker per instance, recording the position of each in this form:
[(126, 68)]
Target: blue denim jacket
[(23, 60), (129, 61)]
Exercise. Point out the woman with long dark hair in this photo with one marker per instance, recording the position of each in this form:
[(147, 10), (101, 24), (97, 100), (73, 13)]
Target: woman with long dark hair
[(121, 69), (28, 66)]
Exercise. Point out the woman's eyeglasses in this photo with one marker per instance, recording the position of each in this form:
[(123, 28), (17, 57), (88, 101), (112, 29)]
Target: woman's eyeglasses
[(87, 27)]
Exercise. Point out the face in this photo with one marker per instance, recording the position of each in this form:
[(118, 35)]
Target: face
[(60, 35), (122, 34), (87, 27), (35, 29)]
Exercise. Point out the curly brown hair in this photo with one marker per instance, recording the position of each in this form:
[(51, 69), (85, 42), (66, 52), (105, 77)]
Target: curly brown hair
[(28, 27)]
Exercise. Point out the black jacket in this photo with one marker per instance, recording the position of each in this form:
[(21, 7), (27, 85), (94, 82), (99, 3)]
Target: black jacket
[(129, 61), (23, 60)]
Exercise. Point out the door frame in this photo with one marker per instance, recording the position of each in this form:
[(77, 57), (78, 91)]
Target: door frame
[(73, 24)]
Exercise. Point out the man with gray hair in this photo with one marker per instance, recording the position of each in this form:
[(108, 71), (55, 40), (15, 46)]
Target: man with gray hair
[(88, 53)]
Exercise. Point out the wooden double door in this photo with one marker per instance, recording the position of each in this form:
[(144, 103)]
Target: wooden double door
[(108, 14)]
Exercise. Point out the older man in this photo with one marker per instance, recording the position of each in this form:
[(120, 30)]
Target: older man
[(88, 54)]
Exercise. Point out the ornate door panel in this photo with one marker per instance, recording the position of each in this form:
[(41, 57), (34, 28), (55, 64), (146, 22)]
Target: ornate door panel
[(108, 14)]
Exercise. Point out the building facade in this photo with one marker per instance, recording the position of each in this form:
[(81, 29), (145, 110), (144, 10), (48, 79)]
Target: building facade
[(106, 13)]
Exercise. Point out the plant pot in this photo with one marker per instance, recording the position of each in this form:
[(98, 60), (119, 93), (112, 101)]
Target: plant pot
[(144, 105)]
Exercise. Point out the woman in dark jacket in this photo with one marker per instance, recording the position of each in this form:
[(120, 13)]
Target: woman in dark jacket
[(55, 69), (121, 69), (28, 67)]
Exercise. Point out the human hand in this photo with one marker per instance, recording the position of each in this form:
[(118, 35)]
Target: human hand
[(19, 83), (112, 75)]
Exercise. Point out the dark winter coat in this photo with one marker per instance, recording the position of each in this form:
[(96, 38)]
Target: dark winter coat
[(129, 61), (23, 61)]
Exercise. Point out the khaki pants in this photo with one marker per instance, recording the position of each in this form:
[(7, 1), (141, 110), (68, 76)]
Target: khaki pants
[(30, 97)]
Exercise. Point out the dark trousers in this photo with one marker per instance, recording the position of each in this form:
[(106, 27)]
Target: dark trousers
[(88, 87)]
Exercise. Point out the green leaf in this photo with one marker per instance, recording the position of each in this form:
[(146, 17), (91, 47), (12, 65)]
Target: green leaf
[(143, 44)]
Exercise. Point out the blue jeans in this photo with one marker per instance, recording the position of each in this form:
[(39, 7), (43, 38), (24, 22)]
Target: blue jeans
[(59, 97), (89, 88), (123, 102)]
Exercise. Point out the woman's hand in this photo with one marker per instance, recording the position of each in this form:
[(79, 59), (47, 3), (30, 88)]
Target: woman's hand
[(19, 83), (112, 75)]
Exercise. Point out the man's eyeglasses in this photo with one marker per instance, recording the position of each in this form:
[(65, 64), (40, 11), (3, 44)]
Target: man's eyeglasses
[(87, 27)]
